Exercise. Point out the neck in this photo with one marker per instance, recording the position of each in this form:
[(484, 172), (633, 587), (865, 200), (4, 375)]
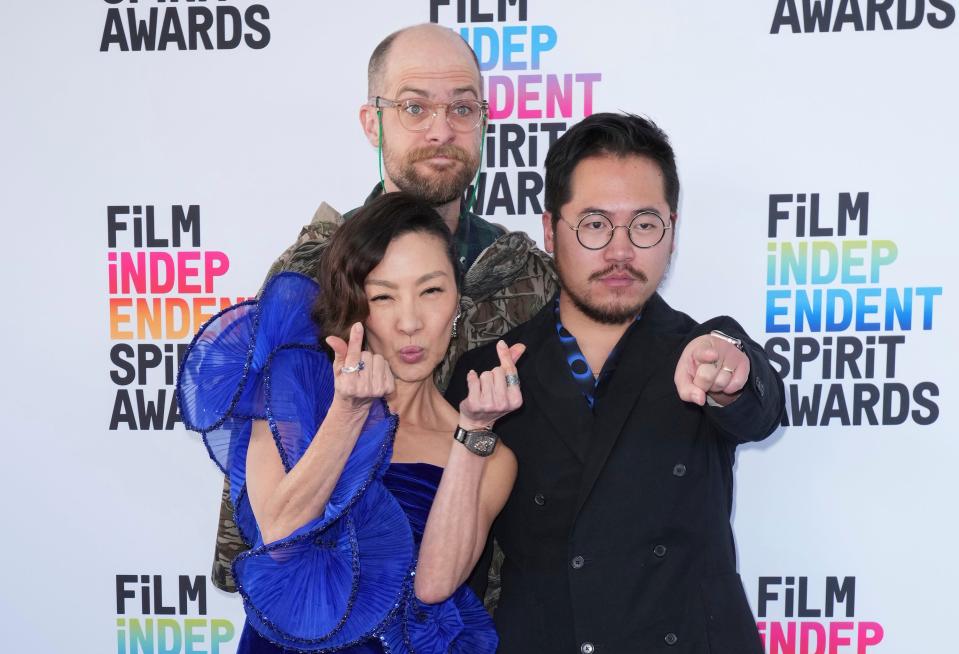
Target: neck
[(595, 339), (450, 213), (417, 403)]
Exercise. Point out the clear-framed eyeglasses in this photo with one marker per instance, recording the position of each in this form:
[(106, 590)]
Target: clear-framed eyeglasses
[(595, 230), (417, 114)]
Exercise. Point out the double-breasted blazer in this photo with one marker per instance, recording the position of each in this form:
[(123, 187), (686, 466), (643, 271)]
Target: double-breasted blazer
[(617, 534)]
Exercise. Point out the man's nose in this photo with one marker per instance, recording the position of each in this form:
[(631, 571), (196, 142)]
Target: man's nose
[(620, 248), (440, 131)]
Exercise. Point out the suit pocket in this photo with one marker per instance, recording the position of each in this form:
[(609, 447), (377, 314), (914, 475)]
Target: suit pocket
[(730, 626)]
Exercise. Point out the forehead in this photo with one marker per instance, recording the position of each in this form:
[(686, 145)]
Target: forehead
[(437, 64), (617, 183), (412, 255)]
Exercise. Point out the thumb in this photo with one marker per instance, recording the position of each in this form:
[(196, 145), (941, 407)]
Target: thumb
[(339, 347), (705, 354)]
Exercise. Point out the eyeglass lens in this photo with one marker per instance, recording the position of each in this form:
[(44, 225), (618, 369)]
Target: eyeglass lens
[(645, 230), (417, 114)]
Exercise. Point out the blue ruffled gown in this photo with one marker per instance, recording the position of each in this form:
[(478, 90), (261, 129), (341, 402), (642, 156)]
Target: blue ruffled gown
[(343, 582)]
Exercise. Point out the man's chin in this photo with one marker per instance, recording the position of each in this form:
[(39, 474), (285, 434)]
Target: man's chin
[(435, 193), (613, 311)]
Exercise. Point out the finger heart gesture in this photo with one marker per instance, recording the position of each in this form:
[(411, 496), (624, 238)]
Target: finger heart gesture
[(494, 393), (359, 376)]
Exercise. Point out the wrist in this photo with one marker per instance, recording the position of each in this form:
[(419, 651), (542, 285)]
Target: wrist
[(472, 424), (349, 410), (480, 442)]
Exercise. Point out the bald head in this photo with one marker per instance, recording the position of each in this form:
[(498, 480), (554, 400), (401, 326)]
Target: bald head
[(427, 42)]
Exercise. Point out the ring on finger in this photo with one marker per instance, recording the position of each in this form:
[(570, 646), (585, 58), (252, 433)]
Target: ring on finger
[(512, 379), (360, 365), (729, 370)]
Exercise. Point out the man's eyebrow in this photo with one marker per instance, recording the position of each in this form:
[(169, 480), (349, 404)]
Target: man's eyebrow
[(607, 212), (412, 89), (424, 94), (465, 89)]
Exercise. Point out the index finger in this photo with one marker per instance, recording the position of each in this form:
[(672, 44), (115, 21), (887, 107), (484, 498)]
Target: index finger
[(505, 358), (685, 388), (355, 346)]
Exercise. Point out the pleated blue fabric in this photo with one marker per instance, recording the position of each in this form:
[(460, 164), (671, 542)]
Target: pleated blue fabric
[(344, 581)]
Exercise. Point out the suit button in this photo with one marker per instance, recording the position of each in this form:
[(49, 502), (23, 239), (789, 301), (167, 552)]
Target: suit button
[(671, 638), (539, 499), (587, 648), (679, 470), (660, 551), (577, 562)]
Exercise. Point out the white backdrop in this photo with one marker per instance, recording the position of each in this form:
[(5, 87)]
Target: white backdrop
[(105, 520)]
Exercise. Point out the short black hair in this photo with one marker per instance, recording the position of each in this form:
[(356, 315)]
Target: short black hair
[(619, 135)]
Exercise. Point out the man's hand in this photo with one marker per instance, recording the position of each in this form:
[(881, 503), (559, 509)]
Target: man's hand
[(494, 393), (711, 366), (358, 376)]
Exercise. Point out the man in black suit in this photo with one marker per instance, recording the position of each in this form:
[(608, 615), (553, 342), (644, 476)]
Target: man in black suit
[(616, 535)]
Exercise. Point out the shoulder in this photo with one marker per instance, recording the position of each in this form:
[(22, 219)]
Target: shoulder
[(484, 226), (669, 321), (484, 357)]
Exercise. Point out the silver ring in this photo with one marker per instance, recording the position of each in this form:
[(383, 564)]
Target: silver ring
[(512, 379), (348, 369), (729, 370)]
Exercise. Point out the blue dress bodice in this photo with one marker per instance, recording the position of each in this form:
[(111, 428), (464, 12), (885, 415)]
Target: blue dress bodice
[(414, 486)]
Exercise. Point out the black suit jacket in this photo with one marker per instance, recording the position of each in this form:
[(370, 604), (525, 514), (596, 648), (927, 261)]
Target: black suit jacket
[(616, 534)]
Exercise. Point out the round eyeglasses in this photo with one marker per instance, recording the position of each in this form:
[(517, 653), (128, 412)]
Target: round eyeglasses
[(595, 230), (417, 114)]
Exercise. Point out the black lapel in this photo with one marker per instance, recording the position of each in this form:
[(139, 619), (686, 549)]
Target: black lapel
[(650, 346), (554, 391)]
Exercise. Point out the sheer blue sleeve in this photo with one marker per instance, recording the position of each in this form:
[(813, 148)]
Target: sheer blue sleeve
[(341, 578)]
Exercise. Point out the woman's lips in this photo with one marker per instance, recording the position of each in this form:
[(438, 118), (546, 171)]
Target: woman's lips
[(412, 354)]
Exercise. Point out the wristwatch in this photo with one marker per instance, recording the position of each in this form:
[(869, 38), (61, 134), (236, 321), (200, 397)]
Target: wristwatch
[(480, 442), (735, 342)]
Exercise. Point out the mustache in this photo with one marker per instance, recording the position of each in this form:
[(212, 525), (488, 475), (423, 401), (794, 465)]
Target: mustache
[(429, 151), (620, 268)]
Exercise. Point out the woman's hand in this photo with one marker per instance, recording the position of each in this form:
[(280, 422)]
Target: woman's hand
[(358, 376), (490, 396)]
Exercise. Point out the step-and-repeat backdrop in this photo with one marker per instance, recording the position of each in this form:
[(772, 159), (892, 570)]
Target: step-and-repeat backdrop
[(157, 156)]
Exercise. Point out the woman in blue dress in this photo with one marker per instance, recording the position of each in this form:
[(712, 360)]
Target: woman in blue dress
[(364, 513)]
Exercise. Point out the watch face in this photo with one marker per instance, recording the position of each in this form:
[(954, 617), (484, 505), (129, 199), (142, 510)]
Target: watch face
[(483, 444)]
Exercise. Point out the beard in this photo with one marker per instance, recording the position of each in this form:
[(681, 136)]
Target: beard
[(611, 312), (437, 187)]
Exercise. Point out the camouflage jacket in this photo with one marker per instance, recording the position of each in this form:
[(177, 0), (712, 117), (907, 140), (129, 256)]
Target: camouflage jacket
[(507, 285)]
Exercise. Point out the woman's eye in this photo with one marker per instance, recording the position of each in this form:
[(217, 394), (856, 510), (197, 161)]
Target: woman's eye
[(378, 298), (432, 290)]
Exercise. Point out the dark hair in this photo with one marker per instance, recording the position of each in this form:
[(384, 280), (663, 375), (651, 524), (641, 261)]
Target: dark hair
[(374, 70), (619, 135), (358, 246)]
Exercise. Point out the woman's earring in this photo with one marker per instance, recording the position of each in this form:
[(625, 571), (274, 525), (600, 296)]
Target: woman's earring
[(455, 320)]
